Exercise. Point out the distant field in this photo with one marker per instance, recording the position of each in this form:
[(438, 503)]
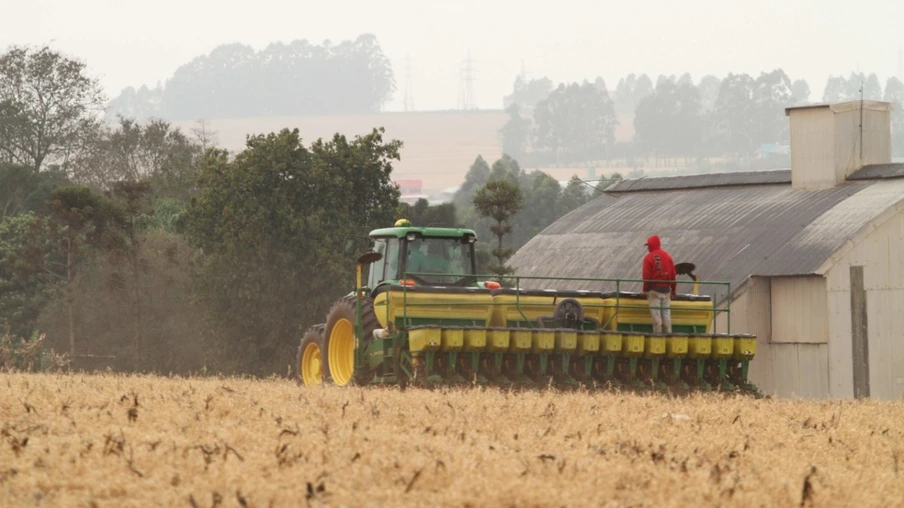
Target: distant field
[(439, 146), (80, 440)]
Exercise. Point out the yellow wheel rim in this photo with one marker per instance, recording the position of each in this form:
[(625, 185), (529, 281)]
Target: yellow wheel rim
[(342, 352), (311, 370)]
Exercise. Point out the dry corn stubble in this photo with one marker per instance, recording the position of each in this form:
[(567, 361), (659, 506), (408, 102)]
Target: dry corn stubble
[(105, 440)]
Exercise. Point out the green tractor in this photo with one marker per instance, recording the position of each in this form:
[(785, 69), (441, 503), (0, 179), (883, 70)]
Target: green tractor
[(425, 316)]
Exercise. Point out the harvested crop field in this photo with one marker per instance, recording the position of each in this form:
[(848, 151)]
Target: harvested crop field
[(107, 440)]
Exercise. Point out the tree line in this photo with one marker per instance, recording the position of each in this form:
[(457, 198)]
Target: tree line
[(143, 247), (221, 275), (506, 206), (735, 117), (298, 78)]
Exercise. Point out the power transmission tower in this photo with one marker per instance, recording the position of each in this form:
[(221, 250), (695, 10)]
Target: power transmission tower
[(409, 93), (467, 98)]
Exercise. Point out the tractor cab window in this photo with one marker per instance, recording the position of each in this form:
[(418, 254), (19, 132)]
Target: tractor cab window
[(392, 259), (387, 268), (439, 260)]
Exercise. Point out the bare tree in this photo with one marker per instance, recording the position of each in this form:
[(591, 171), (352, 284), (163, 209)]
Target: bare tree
[(205, 136), (47, 104), (131, 151)]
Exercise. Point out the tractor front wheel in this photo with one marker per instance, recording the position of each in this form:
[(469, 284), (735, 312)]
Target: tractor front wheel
[(310, 357), (339, 338)]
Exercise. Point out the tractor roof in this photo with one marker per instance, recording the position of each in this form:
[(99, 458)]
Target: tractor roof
[(400, 232)]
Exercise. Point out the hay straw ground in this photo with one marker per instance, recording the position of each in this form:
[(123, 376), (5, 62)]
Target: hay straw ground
[(79, 440)]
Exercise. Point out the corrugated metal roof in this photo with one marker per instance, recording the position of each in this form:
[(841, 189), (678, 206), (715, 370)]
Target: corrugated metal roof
[(730, 232), (813, 105), (839, 107), (877, 171), (779, 176)]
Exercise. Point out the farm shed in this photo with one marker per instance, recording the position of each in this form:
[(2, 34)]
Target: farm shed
[(813, 254)]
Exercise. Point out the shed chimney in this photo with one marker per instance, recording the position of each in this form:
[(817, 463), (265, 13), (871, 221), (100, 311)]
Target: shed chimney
[(831, 141)]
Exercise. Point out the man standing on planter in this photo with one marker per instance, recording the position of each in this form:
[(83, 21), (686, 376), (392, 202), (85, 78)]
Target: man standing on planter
[(659, 284)]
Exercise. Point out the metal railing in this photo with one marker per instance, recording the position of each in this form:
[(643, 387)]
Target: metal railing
[(514, 282)]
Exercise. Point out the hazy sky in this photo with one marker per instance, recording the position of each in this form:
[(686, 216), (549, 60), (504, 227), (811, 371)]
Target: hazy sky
[(126, 42)]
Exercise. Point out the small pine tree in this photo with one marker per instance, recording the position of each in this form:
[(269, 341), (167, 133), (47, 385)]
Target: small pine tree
[(499, 200)]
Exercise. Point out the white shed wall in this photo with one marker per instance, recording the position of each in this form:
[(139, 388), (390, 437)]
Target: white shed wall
[(876, 137), (791, 363), (783, 369), (881, 253), (800, 370), (799, 310), (876, 140)]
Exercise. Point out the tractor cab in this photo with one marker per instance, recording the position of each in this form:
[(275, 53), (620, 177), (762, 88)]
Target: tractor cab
[(423, 256)]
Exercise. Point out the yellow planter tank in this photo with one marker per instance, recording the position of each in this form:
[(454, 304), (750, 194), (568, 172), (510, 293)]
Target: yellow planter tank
[(475, 339), (449, 306), (611, 342), (598, 308), (521, 310), (498, 340), (654, 345), (524, 308), (424, 338), (676, 345), (521, 340), (687, 310), (633, 344), (744, 346), (566, 340), (543, 340), (588, 342), (453, 339), (699, 346), (723, 345)]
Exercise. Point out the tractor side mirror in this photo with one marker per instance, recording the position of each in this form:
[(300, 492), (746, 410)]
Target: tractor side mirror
[(350, 246)]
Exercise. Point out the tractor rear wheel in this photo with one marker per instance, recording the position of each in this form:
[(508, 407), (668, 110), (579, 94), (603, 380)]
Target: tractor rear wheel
[(310, 358), (339, 338)]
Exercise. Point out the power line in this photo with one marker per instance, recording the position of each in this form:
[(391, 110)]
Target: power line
[(467, 97)]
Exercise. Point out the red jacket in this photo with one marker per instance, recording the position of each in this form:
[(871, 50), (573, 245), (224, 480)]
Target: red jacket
[(658, 265)]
